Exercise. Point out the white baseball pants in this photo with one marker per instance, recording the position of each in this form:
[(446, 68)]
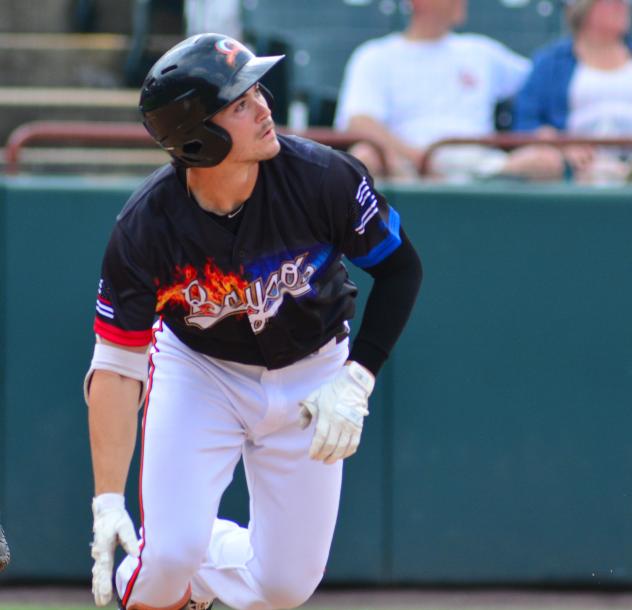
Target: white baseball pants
[(201, 416)]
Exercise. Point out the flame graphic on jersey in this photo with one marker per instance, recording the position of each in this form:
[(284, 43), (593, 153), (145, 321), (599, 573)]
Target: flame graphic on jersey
[(213, 295), (210, 289)]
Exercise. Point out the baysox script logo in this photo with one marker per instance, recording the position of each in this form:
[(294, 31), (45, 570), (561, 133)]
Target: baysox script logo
[(212, 295)]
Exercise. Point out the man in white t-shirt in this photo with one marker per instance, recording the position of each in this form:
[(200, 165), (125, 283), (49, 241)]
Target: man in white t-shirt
[(409, 89)]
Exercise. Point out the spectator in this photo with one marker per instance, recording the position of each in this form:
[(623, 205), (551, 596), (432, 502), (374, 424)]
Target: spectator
[(201, 16), (409, 89), (580, 85)]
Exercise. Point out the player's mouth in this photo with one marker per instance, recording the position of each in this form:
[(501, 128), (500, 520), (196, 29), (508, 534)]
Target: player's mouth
[(268, 131)]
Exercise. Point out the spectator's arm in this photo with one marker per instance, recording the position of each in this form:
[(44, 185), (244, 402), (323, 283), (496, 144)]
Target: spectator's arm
[(529, 104), (510, 70), (391, 144)]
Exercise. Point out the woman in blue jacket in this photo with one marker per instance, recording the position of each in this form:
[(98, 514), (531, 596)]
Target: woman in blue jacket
[(580, 84)]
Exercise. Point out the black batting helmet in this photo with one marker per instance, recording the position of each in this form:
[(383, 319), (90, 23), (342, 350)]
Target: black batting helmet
[(191, 83)]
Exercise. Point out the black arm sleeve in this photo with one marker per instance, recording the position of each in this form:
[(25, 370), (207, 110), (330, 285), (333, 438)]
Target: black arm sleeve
[(399, 275)]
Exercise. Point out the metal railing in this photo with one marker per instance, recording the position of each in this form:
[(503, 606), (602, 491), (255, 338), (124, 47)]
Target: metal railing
[(510, 141), (95, 133), (91, 133)]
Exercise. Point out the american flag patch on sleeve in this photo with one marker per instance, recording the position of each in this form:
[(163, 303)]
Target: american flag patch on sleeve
[(368, 204)]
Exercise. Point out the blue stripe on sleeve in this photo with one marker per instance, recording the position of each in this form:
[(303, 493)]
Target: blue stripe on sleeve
[(388, 245)]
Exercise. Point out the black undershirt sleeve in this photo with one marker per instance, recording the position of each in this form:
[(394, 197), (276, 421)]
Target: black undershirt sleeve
[(396, 284)]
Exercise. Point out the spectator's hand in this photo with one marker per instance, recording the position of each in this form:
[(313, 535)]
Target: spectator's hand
[(538, 162), (604, 169), (414, 156), (547, 132), (580, 157)]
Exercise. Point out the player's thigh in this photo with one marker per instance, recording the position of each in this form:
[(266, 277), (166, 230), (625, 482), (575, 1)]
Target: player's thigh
[(191, 444), (294, 499)]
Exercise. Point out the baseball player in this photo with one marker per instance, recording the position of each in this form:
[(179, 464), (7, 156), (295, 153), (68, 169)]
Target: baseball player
[(223, 273), (5, 553)]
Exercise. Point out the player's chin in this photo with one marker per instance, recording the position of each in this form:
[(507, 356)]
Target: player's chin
[(270, 149)]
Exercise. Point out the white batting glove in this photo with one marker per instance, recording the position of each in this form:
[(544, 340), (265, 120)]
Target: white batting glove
[(339, 408), (112, 524)]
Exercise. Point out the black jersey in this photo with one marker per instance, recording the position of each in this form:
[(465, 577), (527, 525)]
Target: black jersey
[(270, 293)]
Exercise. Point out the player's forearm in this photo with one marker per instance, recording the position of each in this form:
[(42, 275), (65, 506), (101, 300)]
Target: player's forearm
[(112, 414)]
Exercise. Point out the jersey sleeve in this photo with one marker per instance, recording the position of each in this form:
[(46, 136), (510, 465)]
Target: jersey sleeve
[(364, 226), (126, 297)]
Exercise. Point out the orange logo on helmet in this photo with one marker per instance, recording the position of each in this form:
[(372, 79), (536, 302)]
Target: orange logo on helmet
[(230, 48)]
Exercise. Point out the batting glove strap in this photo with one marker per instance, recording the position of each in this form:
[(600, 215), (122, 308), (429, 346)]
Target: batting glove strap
[(112, 525), (364, 379), (339, 408), (107, 501)]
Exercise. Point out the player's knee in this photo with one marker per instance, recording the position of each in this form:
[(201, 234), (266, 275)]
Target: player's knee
[(289, 592), (174, 563), (285, 596)]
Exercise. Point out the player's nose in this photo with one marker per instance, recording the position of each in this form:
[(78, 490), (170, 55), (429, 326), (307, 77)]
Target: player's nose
[(263, 110)]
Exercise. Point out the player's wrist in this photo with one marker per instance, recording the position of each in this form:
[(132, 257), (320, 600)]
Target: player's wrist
[(361, 375), (108, 501)]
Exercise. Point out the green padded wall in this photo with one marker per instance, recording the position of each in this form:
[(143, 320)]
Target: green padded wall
[(497, 450), (512, 389), (3, 423), (53, 230), (51, 261)]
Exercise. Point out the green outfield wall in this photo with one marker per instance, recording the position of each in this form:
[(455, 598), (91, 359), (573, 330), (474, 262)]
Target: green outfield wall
[(498, 448)]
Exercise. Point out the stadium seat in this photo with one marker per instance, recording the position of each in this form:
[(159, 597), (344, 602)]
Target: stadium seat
[(522, 25), (319, 41)]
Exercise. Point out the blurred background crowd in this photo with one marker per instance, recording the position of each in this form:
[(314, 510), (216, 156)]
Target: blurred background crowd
[(531, 89)]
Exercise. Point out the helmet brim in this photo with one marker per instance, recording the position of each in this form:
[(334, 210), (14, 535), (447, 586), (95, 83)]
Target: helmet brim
[(249, 74)]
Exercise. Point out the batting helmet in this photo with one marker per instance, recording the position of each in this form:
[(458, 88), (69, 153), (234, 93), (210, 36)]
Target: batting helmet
[(191, 83)]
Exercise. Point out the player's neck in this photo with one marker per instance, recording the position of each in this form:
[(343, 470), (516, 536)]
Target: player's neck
[(223, 188)]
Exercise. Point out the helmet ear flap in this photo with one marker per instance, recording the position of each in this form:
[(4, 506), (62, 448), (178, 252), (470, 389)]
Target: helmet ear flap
[(221, 143), (210, 148)]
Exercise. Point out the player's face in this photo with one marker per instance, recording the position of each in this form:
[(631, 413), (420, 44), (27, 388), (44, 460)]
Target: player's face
[(249, 122)]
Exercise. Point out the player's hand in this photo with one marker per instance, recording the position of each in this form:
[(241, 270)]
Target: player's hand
[(339, 408), (112, 525)]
